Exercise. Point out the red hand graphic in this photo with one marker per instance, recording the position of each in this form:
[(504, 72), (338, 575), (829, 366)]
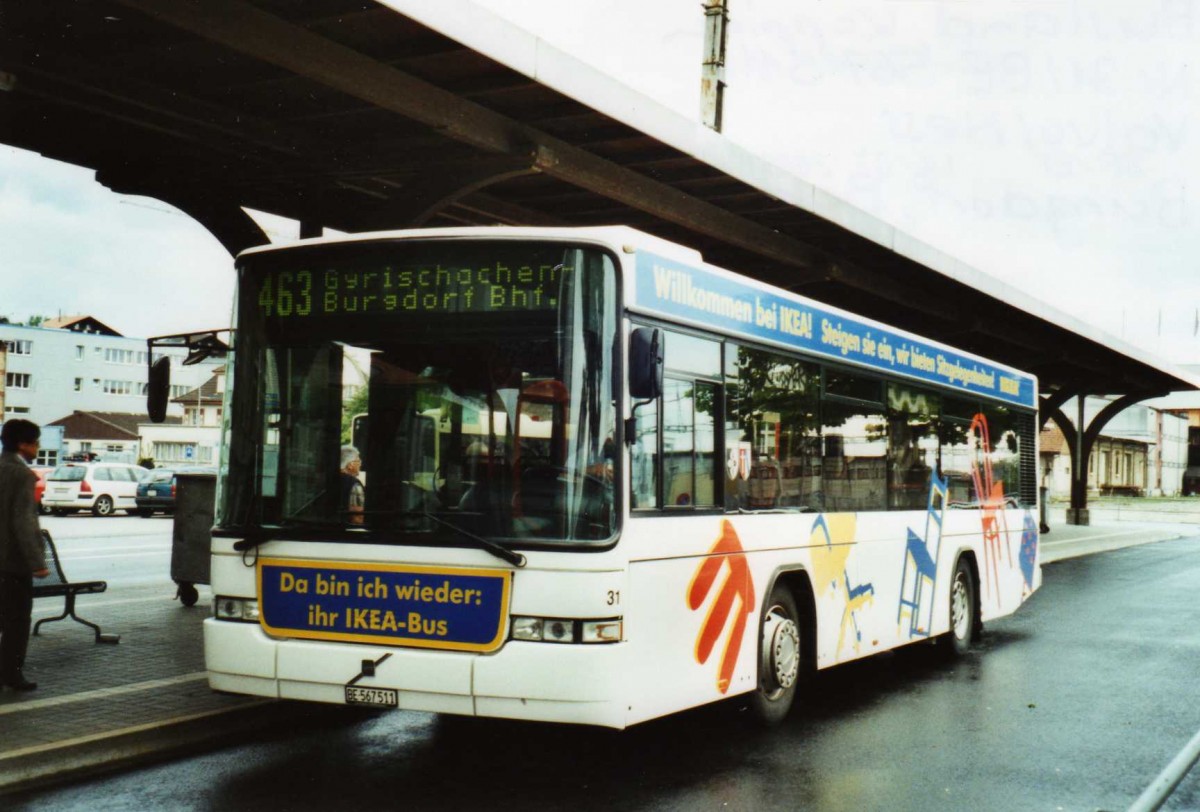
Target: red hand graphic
[(737, 585)]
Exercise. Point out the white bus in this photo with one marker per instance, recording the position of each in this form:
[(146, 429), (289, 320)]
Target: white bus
[(604, 481)]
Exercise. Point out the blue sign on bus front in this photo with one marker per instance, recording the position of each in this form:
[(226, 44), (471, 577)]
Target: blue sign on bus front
[(743, 307), (430, 607)]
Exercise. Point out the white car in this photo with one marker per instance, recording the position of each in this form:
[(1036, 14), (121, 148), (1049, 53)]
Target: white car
[(101, 487)]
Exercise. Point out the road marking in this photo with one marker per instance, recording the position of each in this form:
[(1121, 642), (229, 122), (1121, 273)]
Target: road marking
[(42, 748), (88, 536), (98, 604), (105, 556), (90, 549), (1094, 538), (101, 693)]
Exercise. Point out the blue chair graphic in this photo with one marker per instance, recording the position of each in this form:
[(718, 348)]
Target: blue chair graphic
[(921, 561)]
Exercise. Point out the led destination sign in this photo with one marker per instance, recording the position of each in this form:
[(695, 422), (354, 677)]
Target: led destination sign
[(403, 288)]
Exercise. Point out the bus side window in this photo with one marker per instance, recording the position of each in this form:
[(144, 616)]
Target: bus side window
[(772, 432), (913, 414), (689, 435), (643, 458), (956, 451), (855, 442), (1005, 453)]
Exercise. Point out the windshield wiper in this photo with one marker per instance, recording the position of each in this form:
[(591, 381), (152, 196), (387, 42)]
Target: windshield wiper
[(253, 537), (511, 556), (261, 535)]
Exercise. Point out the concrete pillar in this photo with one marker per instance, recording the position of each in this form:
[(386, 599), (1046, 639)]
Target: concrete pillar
[(712, 77)]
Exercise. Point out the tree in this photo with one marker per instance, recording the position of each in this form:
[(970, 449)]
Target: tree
[(357, 404)]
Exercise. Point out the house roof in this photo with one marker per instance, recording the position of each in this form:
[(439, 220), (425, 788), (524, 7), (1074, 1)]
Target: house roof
[(80, 324), (205, 395), (81, 425), (1052, 440)]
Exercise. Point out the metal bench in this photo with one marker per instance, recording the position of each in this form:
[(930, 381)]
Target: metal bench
[(56, 585)]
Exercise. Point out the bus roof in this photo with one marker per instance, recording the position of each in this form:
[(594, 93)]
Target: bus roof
[(673, 282)]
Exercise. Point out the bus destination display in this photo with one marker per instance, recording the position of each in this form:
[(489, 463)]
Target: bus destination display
[(435, 288)]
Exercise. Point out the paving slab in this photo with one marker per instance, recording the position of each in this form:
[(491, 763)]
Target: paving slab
[(100, 705)]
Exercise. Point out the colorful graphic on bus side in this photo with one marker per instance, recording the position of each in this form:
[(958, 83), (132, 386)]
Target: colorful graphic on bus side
[(425, 607), (737, 587)]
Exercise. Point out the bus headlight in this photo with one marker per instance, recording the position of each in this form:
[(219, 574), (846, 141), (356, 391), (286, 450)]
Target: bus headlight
[(237, 609), (566, 630), (526, 628)]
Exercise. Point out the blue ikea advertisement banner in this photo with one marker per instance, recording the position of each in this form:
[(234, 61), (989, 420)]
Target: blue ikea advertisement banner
[(429, 607), (754, 310)]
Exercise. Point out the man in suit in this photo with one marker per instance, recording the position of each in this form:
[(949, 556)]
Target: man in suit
[(21, 554)]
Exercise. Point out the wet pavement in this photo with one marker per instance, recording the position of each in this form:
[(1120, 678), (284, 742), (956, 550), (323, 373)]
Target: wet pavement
[(1076, 702)]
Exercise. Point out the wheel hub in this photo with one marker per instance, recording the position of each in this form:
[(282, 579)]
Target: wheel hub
[(780, 651), (959, 611)]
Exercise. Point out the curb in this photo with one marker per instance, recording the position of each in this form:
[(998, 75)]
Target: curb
[(61, 763)]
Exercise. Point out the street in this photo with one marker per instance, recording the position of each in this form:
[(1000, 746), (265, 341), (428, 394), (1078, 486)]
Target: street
[(1075, 703), (123, 550)]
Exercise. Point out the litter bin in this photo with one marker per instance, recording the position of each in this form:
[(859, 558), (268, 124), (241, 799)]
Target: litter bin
[(195, 495)]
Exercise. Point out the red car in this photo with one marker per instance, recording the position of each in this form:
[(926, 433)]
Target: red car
[(40, 488)]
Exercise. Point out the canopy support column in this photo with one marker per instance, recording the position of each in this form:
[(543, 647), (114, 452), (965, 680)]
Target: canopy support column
[(1081, 441)]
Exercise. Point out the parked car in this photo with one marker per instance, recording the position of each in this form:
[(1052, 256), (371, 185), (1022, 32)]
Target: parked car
[(101, 487), (157, 491), (39, 488)]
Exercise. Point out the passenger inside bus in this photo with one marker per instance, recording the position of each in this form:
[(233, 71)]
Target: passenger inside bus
[(353, 494)]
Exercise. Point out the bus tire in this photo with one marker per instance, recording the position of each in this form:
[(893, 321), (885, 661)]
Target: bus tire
[(964, 610), (779, 660)]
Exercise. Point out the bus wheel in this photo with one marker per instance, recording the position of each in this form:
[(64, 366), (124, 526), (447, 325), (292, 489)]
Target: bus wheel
[(779, 658), (964, 610)]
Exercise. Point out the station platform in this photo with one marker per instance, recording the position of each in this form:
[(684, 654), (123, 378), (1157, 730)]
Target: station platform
[(101, 707)]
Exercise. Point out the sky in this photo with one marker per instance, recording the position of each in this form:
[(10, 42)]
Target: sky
[(1052, 144)]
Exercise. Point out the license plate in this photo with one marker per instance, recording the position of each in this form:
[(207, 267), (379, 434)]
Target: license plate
[(385, 697)]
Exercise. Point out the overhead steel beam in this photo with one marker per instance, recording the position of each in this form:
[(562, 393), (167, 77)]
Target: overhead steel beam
[(434, 191), (217, 210), (70, 81), (250, 31), (487, 206)]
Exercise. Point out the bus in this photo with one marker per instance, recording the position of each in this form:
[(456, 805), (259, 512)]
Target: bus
[(604, 481)]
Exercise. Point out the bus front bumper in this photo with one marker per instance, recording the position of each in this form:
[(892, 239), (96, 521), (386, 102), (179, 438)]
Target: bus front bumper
[(580, 684)]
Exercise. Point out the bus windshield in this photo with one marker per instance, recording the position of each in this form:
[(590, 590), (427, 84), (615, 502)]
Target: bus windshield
[(425, 392)]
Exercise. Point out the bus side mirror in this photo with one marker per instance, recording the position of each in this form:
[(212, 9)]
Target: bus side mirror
[(158, 390), (646, 363)]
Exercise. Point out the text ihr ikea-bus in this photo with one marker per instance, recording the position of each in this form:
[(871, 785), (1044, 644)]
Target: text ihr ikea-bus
[(377, 619)]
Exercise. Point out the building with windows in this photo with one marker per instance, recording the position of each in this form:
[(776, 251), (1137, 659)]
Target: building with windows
[(196, 439), (1186, 407), (109, 436), (52, 372), (1143, 451)]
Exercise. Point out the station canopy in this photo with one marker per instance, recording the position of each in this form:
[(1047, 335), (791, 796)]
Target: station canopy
[(359, 116)]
